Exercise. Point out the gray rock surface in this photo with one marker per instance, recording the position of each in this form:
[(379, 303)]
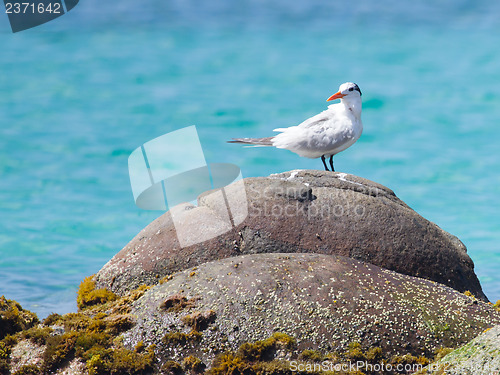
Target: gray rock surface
[(27, 353), (479, 357), (324, 301), (304, 211)]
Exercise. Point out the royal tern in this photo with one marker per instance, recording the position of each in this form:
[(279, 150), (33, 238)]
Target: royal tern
[(323, 135)]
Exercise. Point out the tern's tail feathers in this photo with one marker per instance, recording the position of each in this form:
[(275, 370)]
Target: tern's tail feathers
[(268, 141)]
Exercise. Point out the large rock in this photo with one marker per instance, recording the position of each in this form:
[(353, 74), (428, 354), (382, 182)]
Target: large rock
[(324, 301), (480, 356), (297, 212)]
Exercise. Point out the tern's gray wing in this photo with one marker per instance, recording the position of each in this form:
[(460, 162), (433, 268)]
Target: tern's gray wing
[(319, 119)]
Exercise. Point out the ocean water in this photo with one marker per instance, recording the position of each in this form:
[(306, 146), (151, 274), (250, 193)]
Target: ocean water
[(79, 94)]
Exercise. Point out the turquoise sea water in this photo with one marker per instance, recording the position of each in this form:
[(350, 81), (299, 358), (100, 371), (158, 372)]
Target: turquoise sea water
[(79, 94)]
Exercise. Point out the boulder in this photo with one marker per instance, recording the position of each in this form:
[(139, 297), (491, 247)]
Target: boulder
[(325, 302), (302, 211), (478, 357)]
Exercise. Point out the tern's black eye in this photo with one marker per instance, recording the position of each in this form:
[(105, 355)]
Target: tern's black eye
[(351, 88)]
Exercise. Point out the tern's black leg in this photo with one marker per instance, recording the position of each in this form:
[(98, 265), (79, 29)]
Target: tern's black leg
[(331, 163), (324, 163)]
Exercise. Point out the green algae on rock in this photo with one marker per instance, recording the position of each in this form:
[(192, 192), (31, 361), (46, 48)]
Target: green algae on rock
[(276, 355), (13, 318), (88, 295), (192, 364), (37, 335), (90, 337), (479, 356)]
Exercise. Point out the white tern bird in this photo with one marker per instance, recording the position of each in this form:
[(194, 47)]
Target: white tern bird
[(323, 135)]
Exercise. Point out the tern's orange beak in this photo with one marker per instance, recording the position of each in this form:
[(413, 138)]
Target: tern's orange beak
[(335, 96)]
